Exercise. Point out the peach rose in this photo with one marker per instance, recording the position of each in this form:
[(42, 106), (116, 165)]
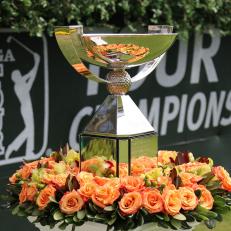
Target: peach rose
[(152, 201), (26, 171), (189, 179), (148, 162), (27, 193), (137, 169), (71, 202), (223, 176), (23, 194), (43, 198), (164, 180), (47, 160), (93, 165), (114, 183), (123, 169), (13, 179), (84, 177), (206, 200), (172, 201), (31, 192), (87, 190), (132, 183), (59, 180), (189, 200), (105, 195), (101, 180), (130, 203)]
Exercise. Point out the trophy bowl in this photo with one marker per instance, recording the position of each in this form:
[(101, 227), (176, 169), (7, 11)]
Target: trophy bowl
[(118, 132)]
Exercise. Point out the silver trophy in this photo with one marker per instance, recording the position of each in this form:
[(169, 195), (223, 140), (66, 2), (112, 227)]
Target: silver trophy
[(118, 133)]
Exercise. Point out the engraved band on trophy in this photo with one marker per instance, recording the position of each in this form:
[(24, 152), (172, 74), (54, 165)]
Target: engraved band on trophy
[(118, 131)]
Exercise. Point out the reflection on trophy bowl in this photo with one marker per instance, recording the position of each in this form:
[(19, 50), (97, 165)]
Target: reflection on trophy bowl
[(124, 50), (118, 133)]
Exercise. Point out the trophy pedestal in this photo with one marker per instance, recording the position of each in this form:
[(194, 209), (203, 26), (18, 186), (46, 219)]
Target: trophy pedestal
[(119, 132)]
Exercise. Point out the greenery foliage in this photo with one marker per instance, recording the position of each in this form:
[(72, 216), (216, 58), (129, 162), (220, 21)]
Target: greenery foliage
[(38, 16)]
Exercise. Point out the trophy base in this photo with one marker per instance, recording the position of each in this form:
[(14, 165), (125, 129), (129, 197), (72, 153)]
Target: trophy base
[(121, 151)]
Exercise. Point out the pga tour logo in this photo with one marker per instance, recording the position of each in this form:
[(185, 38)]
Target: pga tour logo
[(24, 102)]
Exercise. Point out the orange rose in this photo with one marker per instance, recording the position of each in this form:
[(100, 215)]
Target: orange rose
[(189, 200), (84, 177), (71, 202), (59, 180), (148, 162), (189, 179), (223, 176), (226, 184), (132, 183), (114, 183), (13, 179), (27, 169), (164, 180), (93, 165), (47, 160), (206, 200), (137, 169), (123, 169), (23, 194), (152, 201), (130, 203), (101, 180), (87, 190), (105, 195), (172, 201), (43, 198), (31, 192), (27, 193)]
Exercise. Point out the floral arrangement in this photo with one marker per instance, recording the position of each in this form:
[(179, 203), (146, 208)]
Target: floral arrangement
[(171, 190)]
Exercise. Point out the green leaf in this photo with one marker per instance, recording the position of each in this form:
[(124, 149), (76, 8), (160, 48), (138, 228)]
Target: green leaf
[(81, 214), (112, 220), (189, 218), (52, 199), (159, 216), (63, 226), (179, 217), (140, 219), (121, 216), (69, 220), (109, 208), (163, 224), (175, 223), (15, 210), (199, 217), (58, 215), (36, 212), (211, 224), (21, 213), (219, 201), (144, 211)]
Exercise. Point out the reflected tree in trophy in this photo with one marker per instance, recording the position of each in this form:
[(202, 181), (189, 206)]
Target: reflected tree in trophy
[(118, 133)]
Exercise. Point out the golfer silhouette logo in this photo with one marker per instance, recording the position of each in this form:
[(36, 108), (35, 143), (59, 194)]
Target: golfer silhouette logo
[(22, 86)]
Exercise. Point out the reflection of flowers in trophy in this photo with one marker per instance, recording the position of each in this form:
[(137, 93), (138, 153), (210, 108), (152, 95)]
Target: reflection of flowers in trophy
[(22, 88)]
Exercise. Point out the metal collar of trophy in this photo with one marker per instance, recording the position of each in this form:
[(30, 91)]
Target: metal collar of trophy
[(118, 131)]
